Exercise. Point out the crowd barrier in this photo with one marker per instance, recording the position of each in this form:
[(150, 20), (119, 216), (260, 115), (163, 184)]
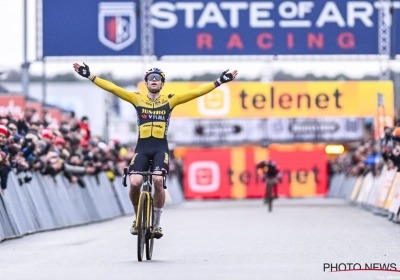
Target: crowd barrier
[(47, 203), (379, 194)]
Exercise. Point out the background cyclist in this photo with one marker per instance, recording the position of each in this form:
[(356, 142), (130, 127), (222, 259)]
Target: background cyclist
[(271, 173)]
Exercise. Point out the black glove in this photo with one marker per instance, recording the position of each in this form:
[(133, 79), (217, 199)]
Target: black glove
[(225, 77), (84, 71)]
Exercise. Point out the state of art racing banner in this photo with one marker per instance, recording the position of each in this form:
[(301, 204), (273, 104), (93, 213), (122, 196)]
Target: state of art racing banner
[(231, 173), (213, 27), (221, 27)]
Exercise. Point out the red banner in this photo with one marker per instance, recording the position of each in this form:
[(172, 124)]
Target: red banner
[(12, 104), (231, 173)]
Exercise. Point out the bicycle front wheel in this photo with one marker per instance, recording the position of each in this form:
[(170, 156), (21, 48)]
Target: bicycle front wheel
[(142, 215), (149, 235)]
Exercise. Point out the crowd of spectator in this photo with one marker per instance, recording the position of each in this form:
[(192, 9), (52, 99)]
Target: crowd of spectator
[(28, 145), (369, 155)]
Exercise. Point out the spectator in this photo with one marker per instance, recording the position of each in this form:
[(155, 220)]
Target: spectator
[(84, 128), (33, 132), (12, 126)]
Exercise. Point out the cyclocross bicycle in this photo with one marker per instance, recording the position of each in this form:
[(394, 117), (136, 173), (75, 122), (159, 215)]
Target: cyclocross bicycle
[(145, 212)]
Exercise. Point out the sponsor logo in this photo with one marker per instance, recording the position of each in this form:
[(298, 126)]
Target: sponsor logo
[(154, 112), (215, 103), (157, 117), (166, 158), (311, 127), (204, 176), (117, 24)]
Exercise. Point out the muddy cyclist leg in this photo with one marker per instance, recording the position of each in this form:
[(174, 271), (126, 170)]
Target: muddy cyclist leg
[(160, 163), (159, 198)]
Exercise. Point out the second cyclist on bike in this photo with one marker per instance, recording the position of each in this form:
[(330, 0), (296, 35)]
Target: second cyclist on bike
[(271, 173)]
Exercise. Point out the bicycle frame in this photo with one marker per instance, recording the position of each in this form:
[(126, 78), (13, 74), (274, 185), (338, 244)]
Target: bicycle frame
[(146, 189), (145, 220)]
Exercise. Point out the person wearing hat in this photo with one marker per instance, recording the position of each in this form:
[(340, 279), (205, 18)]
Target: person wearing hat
[(3, 137), (48, 137), (59, 146)]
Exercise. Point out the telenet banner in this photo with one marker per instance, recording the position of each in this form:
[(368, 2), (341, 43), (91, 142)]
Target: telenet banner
[(284, 99)]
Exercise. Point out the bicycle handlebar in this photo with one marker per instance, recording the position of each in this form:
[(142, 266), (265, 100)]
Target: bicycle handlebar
[(144, 173)]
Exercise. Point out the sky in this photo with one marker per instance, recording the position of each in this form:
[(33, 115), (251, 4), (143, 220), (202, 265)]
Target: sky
[(11, 57)]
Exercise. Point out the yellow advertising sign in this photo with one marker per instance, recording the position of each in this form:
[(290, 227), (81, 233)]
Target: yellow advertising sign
[(284, 99)]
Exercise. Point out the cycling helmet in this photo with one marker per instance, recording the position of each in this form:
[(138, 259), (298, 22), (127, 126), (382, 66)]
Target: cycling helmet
[(156, 71)]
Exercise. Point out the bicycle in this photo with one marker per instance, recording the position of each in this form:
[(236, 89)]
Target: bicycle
[(145, 212)]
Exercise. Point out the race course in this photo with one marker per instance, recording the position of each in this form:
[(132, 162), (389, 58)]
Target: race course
[(216, 240)]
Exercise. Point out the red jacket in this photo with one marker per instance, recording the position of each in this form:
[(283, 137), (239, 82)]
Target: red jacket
[(85, 127)]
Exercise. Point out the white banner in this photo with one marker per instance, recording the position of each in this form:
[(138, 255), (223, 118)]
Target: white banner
[(184, 131), (315, 129), (188, 131)]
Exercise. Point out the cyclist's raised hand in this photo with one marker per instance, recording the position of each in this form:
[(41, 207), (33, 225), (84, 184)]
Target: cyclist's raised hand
[(226, 77), (82, 70)]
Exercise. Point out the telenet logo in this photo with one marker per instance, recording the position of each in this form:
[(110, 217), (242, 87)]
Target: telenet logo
[(216, 103), (204, 176)]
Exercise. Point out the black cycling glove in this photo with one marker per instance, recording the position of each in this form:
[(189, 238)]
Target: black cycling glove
[(84, 71), (224, 78)]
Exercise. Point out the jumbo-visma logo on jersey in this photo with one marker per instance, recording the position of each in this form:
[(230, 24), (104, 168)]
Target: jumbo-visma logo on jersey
[(117, 24)]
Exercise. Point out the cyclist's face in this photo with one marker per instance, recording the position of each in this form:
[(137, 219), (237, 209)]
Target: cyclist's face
[(154, 83)]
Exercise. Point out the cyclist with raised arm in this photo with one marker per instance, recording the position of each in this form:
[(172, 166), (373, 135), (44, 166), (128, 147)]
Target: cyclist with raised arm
[(153, 113), (271, 173)]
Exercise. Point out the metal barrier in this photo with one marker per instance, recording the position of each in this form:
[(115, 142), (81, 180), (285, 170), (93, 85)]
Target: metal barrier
[(47, 203), (378, 194)]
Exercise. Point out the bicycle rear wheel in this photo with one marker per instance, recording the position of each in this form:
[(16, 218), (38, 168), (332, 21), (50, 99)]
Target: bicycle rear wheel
[(141, 227), (270, 186), (149, 234)]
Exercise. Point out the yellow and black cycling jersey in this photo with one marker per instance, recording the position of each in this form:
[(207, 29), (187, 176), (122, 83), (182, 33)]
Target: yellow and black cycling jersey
[(153, 116)]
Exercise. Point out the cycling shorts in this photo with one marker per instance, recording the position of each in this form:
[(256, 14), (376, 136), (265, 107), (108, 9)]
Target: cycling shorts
[(141, 159)]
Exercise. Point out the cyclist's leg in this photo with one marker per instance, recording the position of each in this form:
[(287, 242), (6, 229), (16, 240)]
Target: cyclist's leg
[(275, 188), (160, 162), (266, 181), (275, 191), (140, 162)]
